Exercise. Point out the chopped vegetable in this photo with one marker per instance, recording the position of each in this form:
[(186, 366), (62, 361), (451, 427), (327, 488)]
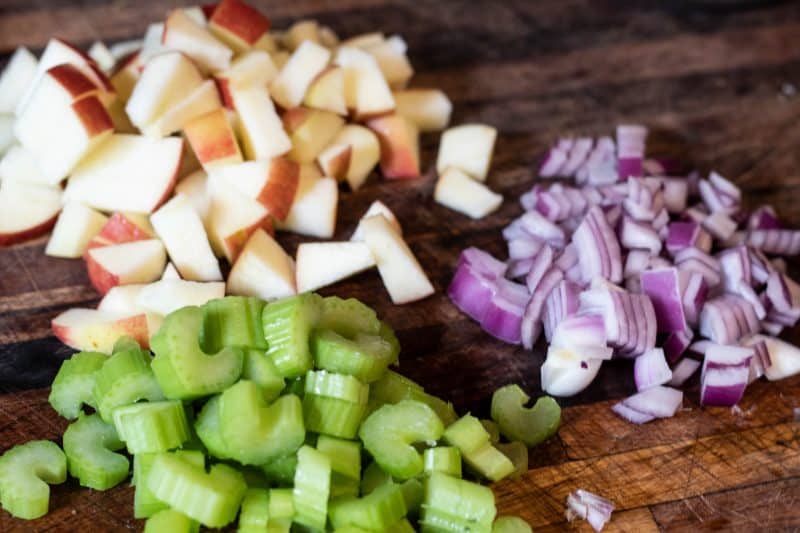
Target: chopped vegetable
[(594, 509), (529, 425), (445, 459), (311, 488), (510, 524), (287, 328), (73, 385), (170, 521), (455, 505), (468, 435), (151, 427), (334, 404), (89, 444), (26, 470)]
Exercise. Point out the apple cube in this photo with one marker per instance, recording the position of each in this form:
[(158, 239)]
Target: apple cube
[(97, 331), (123, 299), (300, 32), (392, 60), (376, 208), (179, 227), (128, 173), (259, 126), (212, 139), (429, 109), (76, 226), (18, 75), (468, 148), (461, 193), (122, 49), (125, 75), (20, 165), (26, 210), (232, 218), (365, 40), (202, 100), (102, 56), (170, 272), (121, 264), (168, 295), (294, 79), (194, 188), (262, 269), (6, 131), (238, 25), (351, 155), (366, 90), (253, 69), (273, 183), (197, 14), (313, 212), (326, 92), (185, 35), (120, 228), (310, 130), (152, 43), (400, 271), (399, 139), (320, 264)]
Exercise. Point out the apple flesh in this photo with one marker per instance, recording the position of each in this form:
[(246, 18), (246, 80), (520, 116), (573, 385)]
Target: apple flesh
[(351, 155), (294, 79), (262, 269), (184, 34), (273, 183), (366, 91), (313, 212), (326, 92), (300, 32), (20, 165), (194, 188), (152, 44), (390, 55), (18, 75), (399, 140), (320, 264), (202, 100), (27, 210), (125, 75), (168, 295), (97, 331), (122, 264), (102, 56), (461, 193), (238, 25), (213, 140), (76, 226), (468, 148), (121, 228), (429, 109), (376, 208), (310, 130), (253, 69), (170, 272), (123, 299), (6, 132), (232, 218), (259, 126)]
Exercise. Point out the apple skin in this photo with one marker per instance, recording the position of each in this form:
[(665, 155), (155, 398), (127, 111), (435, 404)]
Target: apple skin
[(101, 279), (399, 141), (103, 339), (117, 230), (338, 164), (212, 139), (93, 115), (30, 233), (238, 23), (72, 80), (281, 187)]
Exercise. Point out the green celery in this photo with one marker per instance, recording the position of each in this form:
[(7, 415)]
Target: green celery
[(311, 488), (170, 521), (125, 378), (511, 524), (72, 386), (365, 357), (287, 327), (413, 491), (254, 513), (334, 404), (517, 453), (471, 438), (281, 471), (89, 444), (492, 429), (260, 369), (445, 459), (455, 505), (529, 425), (25, 472), (150, 427), (348, 317), (145, 504), (374, 476), (376, 511), (207, 427), (233, 321), (393, 388), (345, 457)]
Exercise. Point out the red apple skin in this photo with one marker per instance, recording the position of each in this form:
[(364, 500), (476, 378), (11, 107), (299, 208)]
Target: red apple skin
[(338, 166), (398, 159), (101, 279), (76, 49), (30, 233), (234, 243), (293, 118), (240, 19), (118, 229), (93, 115), (223, 87), (135, 326), (208, 10), (72, 80), (102, 78), (211, 137), (278, 193), (126, 61), (174, 181)]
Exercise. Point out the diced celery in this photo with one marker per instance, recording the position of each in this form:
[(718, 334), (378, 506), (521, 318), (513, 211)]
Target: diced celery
[(491, 428), (311, 488), (25, 472), (208, 430), (401, 526), (126, 343), (374, 476), (281, 471), (387, 333), (181, 367), (72, 386), (212, 498), (511, 524), (170, 521), (445, 459), (287, 328), (517, 453), (472, 440), (145, 504), (529, 425), (281, 504), (296, 386), (348, 317), (334, 404), (89, 444), (413, 491), (256, 433), (254, 514), (376, 511), (342, 485), (233, 321), (393, 388), (365, 357), (389, 432), (345, 455), (455, 505), (125, 377), (150, 427), (260, 369)]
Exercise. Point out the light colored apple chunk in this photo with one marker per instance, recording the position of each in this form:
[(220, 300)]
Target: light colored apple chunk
[(376, 208), (351, 155), (310, 130), (399, 140), (259, 126), (121, 264), (97, 331), (253, 69), (195, 188), (326, 92), (392, 60), (6, 132), (202, 100), (402, 274), (238, 25), (262, 269), (294, 79), (26, 210), (123, 299), (468, 148), (179, 227), (76, 226), (320, 264), (125, 75), (232, 218), (20, 165), (313, 212), (213, 140), (170, 272), (168, 295), (127, 173), (183, 34), (152, 43), (273, 183), (300, 32), (120, 228), (366, 91), (364, 40), (18, 75), (429, 109), (102, 56), (461, 193), (125, 48)]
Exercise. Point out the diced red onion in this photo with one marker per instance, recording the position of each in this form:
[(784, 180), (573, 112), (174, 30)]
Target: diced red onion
[(630, 150), (764, 218), (695, 293), (724, 186), (725, 375), (470, 291), (720, 225), (531, 326), (683, 371), (676, 194), (553, 161), (676, 344), (656, 402), (537, 226), (775, 241), (639, 235), (735, 267), (651, 369), (664, 289), (577, 155), (518, 268), (503, 315), (561, 303), (483, 262), (590, 507), (539, 267), (636, 262), (697, 213), (524, 248), (761, 359)]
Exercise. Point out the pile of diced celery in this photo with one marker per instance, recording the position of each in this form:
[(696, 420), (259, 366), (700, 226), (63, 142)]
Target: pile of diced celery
[(279, 413)]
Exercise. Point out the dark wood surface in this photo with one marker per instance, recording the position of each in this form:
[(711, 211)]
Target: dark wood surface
[(714, 81)]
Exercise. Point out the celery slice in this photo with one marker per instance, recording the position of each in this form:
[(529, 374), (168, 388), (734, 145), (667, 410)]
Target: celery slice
[(472, 440), (376, 511), (348, 317), (151, 427), (334, 404), (255, 433), (145, 504), (181, 367), (389, 432), (366, 357), (72, 386), (125, 377), (393, 388), (311, 488), (529, 425), (233, 321), (126, 343), (281, 504), (296, 386), (492, 429), (254, 514), (374, 476), (387, 333), (281, 471), (208, 430), (262, 371), (342, 485), (287, 328), (401, 526), (511, 524), (413, 492), (170, 521), (25, 472), (445, 459), (517, 453), (345, 455), (212, 498), (89, 444), (455, 505)]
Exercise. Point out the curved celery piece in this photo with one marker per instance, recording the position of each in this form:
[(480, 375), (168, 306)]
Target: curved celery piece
[(348, 317), (529, 425), (262, 371), (469, 436), (393, 387), (281, 471), (151, 427), (387, 333), (389, 432), (233, 321), (145, 504), (334, 404), (170, 521), (376, 511), (89, 444), (511, 524), (125, 377), (373, 477), (254, 513), (212, 498), (287, 327), (207, 428), (311, 488), (492, 429), (445, 459), (517, 453), (126, 343), (455, 505), (25, 472), (181, 367), (255, 433), (365, 357), (345, 457), (72, 386)]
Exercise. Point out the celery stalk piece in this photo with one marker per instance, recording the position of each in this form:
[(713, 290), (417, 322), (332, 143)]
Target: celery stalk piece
[(342, 485), (281, 471), (254, 514), (393, 387), (151, 427), (401, 526), (25, 472), (373, 477), (511, 524), (348, 317), (389, 432), (517, 453), (376, 511), (281, 504), (125, 377), (233, 321), (255, 433), (345, 455), (296, 386), (469, 436), (72, 386), (262, 371), (387, 333), (212, 498), (89, 444), (413, 491), (334, 404), (492, 429), (126, 343), (170, 521), (145, 504), (312, 483), (207, 427), (445, 459), (287, 327), (529, 425), (181, 367), (455, 505), (366, 357)]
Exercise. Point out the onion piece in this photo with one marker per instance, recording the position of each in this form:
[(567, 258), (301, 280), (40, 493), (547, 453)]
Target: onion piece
[(503, 315), (470, 291), (676, 343), (635, 234), (524, 248), (676, 194), (683, 371), (775, 241), (664, 289), (784, 357), (724, 375), (483, 262), (567, 372), (651, 369), (720, 225), (655, 402), (531, 325), (590, 507), (539, 267), (764, 218), (552, 163)]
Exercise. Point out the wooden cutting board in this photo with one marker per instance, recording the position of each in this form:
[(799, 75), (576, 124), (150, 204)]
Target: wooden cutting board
[(715, 81)]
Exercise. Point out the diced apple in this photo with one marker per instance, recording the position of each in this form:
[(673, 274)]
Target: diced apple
[(429, 109), (366, 90), (122, 264), (168, 295), (399, 139), (18, 75), (197, 14), (351, 155), (20, 165), (97, 331), (365, 40), (152, 44), (185, 35), (299, 32), (121, 228), (232, 218), (127, 173), (122, 124), (123, 299), (376, 208), (259, 126), (262, 269), (179, 227), (267, 43), (170, 272), (313, 212), (202, 100), (253, 69), (102, 56), (326, 92), (402, 274), (320, 264), (194, 188), (122, 49), (26, 210), (273, 183), (238, 25), (6, 131), (189, 162), (294, 79), (213, 140), (468, 148), (125, 75), (392, 60), (461, 193), (76, 226), (310, 130)]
